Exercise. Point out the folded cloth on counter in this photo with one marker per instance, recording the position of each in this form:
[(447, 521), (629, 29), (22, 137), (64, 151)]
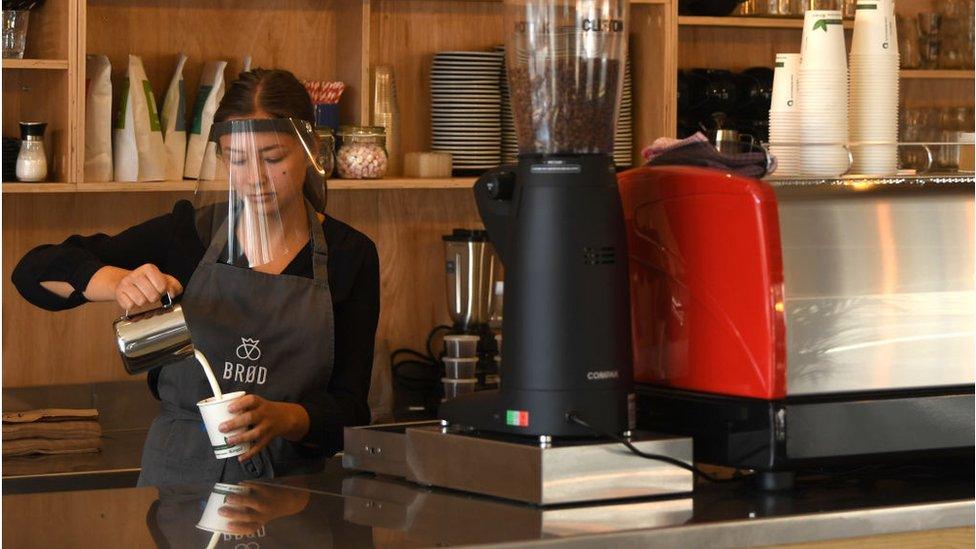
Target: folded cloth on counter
[(30, 446), (50, 414), (58, 430), (698, 151)]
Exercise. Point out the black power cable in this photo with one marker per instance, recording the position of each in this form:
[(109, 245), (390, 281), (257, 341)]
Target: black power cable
[(427, 368), (574, 418)]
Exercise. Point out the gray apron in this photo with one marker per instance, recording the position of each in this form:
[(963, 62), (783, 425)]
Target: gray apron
[(269, 335)]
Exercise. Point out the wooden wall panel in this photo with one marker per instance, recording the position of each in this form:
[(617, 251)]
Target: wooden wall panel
[(41, 96), (653, 45), (307, 37), (77, 346), (406, 34)]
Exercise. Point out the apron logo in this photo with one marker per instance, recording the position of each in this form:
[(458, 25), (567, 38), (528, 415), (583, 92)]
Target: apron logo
[(248, 349), (252, 373)]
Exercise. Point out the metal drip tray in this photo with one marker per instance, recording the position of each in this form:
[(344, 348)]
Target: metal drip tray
[(518, 468)]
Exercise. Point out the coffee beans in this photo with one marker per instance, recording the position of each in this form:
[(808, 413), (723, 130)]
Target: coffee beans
[(566, 106)]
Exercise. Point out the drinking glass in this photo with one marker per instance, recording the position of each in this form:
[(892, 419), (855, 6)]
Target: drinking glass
[(929, 24), (14, 33), (908, 43)]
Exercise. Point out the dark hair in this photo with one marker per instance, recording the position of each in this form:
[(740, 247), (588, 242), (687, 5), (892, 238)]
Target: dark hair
[(278, 93), (274, 91)]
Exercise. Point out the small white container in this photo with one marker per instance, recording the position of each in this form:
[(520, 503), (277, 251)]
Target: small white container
[(214, 413), (461, 346), (460, 368), (456, 387)]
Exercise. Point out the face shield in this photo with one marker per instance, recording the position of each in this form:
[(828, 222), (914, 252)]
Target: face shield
[(255, 207)]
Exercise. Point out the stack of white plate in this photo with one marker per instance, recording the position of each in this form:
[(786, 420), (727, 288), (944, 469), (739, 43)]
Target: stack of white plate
[(465, 108), (874, 89), (784, 116), (823, 95), (623, 140), (509, 137)]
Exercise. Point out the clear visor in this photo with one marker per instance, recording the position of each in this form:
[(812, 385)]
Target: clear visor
[(255, 206)]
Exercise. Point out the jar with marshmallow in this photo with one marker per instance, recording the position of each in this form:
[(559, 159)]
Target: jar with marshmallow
[(362, 152)]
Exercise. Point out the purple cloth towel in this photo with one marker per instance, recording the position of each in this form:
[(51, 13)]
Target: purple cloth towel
[(697, 151)]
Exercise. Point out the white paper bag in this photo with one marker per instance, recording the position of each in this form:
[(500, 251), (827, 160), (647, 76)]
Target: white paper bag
[(209, 94), (98, 118), (149, 132), (125, 154), (173, 120)]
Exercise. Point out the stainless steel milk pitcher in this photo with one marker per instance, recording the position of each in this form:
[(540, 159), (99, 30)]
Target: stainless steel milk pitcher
[(153, 338)]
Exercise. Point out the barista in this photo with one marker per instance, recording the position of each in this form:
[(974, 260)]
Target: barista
[(282, 299)]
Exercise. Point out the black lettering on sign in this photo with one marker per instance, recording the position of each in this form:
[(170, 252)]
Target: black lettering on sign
[(602, 25)]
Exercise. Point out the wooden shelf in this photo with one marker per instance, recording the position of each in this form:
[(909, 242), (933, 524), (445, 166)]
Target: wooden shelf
[(938, 74), (36, 64), (190, 186), (38, 188), (748, 22), (401, 184)]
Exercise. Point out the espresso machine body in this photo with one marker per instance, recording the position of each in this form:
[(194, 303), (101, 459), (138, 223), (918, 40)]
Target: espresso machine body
[(788, 324)]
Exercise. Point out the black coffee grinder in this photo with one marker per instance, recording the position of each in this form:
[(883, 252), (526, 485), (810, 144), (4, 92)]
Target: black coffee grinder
[(557, 224)]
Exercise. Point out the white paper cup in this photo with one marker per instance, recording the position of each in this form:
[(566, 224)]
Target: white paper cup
[(214, 413), (874, 33), (823, 40), (785, 81), (211, 520)]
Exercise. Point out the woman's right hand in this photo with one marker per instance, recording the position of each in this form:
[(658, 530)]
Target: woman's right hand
[(145, 285), (131, 289)]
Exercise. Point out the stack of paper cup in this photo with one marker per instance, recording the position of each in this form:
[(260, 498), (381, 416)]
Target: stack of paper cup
[(874, 89), (784, 116), (822, 95)]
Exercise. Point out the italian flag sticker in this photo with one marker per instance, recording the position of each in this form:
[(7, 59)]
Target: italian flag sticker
[(517, 418)]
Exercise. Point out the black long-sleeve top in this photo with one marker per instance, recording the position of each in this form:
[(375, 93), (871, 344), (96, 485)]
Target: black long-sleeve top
[(173, 243)]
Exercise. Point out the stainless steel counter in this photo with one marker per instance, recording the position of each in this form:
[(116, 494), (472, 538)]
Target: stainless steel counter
[(341, 509)]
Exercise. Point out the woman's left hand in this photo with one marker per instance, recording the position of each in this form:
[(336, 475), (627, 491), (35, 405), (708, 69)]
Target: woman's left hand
[(264, 420)]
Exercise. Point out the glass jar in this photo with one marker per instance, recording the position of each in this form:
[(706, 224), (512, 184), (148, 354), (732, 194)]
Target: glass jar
[(362, 152), (14, 33)]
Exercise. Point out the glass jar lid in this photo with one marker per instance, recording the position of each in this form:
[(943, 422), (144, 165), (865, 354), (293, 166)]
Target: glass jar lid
[(362, 131)]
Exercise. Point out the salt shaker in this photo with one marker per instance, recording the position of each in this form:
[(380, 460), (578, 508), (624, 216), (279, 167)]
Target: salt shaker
[(32, 160)]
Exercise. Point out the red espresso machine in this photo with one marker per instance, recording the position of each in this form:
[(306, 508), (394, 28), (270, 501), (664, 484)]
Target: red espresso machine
[(794, 324)]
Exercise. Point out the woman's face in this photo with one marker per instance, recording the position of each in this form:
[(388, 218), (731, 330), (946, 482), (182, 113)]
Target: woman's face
[(266, 168)]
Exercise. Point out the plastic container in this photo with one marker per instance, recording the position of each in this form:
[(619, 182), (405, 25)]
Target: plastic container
[(456, 387), (362, 152), (461, 346), (460, 368)]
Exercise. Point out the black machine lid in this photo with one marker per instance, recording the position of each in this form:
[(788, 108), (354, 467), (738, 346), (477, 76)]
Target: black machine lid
[(467, 235)]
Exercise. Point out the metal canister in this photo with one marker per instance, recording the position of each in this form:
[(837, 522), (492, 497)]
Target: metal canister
[(153, 338)]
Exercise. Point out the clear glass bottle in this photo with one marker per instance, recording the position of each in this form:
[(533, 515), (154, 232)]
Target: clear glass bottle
[(32, 160), (362, 152)]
